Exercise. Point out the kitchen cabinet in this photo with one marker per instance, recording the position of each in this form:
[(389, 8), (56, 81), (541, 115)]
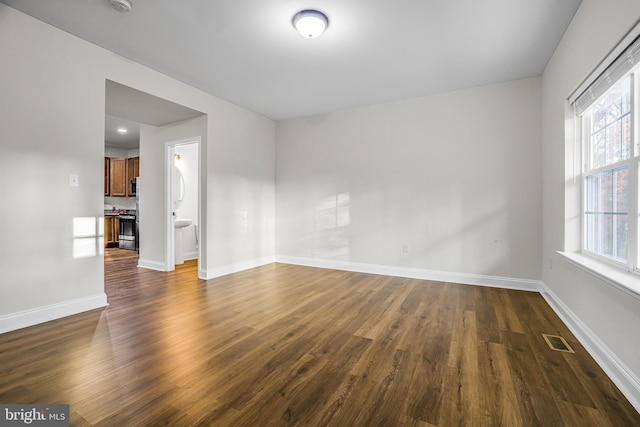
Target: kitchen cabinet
[(133, 171), (106, 176), (117, 177), (111, 231), (118, 173)]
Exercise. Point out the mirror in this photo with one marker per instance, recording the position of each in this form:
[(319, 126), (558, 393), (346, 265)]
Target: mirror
[(178, 188)]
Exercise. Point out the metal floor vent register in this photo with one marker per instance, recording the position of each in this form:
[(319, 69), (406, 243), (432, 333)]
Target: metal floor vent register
[(557, 343)]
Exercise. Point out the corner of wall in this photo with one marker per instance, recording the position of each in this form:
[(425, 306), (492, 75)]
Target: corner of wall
[(617, 371)]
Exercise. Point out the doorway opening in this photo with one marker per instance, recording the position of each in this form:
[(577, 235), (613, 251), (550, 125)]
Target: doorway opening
[(182, 201), (157, 120)]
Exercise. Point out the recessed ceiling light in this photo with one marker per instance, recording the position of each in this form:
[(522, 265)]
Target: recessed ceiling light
[(310, 23), (122, 130)]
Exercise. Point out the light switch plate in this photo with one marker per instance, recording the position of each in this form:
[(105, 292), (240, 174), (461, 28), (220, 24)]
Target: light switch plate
[(74, 181)]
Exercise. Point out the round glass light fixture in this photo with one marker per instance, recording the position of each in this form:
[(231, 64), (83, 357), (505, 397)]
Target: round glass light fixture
[(310, 23), (122, 6)]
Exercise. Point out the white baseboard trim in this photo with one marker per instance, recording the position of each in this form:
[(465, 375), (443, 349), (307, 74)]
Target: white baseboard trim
[(152, 265), (212, 273), (34, 316), (416, 273), (616, 370)]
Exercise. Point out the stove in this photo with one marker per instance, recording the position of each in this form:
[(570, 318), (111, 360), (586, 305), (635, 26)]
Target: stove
[(128, 232)]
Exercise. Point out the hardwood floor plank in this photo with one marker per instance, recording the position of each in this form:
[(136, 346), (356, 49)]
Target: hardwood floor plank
[(499, 387), (506, 316), (434, 351), (573, 414), (307, 401), (463, 377), (339, 408), (486, 302), (599, 389), (284, 345), (384, 400), (537, 400)]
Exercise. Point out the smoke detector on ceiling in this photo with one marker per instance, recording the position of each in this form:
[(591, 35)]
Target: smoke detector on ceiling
[(121, 6)]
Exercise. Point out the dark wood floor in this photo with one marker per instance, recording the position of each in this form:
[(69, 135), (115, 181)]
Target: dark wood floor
[(289, 345)]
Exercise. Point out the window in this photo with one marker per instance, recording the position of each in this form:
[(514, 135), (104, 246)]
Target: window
[(607, 133), (606, 106)]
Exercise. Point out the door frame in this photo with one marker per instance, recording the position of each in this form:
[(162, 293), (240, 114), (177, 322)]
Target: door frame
[(169, 154)]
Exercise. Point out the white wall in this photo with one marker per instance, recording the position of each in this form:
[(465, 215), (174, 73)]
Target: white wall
[(52, 112), (456, 176), (48, 131), (610, 314), (241, 195)]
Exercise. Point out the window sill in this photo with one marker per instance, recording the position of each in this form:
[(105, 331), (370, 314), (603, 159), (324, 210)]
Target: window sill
[(627, 282)]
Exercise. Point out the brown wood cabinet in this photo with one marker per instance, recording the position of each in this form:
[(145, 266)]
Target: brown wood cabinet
[(118, 173), (117, 177), (111, 231), (106, 176)]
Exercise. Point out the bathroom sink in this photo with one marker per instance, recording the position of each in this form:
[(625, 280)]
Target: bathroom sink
[(181, 222)]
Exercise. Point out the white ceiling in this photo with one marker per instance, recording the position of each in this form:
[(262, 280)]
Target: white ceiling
[(126, 108), (113, 138), (247, 51)]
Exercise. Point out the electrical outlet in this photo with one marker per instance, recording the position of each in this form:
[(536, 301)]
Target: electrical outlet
[(405, 248), (74, 181)]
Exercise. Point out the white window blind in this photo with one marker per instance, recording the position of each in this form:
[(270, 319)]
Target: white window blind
[(619, 62), (614, 72)]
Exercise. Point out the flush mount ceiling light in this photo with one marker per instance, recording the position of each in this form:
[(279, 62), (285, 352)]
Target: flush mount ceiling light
[(121, 6), (310, 23), (122, 130)]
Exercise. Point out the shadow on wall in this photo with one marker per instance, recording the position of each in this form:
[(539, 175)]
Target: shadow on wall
[(330, 235), (449, 233)]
